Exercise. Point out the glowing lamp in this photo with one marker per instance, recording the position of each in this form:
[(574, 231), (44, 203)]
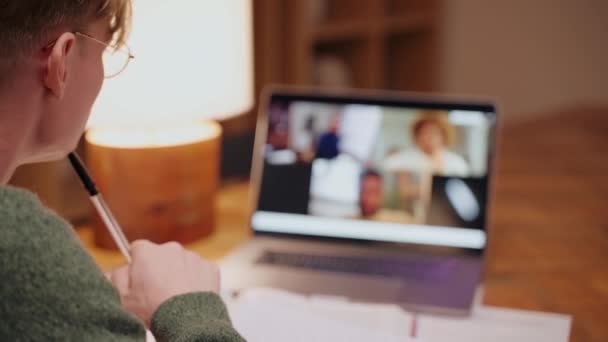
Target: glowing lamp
[(152, 144)]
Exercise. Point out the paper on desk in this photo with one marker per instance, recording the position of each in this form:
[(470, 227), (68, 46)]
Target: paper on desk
[(497, 325), (379, 317), (275, 315)]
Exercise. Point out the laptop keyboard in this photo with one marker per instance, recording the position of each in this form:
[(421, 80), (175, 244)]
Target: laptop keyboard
[(385, 267)]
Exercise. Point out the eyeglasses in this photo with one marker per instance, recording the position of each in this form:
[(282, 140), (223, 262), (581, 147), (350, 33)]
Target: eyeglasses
[(115, 60)]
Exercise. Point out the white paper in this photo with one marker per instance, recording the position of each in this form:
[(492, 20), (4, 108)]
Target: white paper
[(274, 315), (497, 325)]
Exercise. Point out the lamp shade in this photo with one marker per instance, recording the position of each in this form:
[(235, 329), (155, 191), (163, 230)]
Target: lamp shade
[(193, 61), (152, 144)]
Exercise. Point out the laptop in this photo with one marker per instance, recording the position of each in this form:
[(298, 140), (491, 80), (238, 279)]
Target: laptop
[(373, 196)]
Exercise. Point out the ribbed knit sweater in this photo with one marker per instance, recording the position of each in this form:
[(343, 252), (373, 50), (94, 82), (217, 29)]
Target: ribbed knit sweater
[(52, 290)]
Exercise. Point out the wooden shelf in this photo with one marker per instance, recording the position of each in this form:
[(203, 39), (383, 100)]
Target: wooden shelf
[(339, 31), (409, 23), (332, 11), (407, 62), (345, 30), (401, 7), (376, 43)]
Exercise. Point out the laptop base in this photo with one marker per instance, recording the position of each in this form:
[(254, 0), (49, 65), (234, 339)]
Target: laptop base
[(450, 290)]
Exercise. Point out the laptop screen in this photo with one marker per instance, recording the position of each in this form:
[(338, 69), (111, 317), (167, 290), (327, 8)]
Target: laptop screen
[(375, 169)]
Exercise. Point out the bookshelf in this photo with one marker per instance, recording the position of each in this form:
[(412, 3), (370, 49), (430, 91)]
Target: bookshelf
[(387, 44)]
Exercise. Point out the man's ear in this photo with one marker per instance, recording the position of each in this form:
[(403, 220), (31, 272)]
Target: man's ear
[(58, 64)]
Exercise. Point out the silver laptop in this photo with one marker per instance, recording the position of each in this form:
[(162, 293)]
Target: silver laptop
[(377, 197)]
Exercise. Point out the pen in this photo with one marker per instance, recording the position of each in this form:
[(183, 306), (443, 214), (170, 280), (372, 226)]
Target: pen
[(100, 205)]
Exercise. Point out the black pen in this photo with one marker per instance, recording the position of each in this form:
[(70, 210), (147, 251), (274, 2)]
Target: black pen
[(100, 206)]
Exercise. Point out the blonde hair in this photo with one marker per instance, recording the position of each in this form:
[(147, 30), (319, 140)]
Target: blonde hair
[(438, 118), (27, 25), (119, 12)]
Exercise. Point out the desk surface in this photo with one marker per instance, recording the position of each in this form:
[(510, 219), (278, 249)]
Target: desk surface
[(548, 247)]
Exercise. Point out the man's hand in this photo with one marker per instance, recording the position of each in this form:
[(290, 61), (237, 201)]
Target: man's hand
[(160, 272)]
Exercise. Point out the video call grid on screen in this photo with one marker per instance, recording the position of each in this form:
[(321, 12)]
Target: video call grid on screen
[(379, 170)]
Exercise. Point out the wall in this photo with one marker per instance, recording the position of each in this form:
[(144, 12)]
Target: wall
[(535, 56)]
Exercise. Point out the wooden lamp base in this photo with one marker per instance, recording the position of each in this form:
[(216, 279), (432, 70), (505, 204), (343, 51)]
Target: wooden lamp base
[(158, 191)]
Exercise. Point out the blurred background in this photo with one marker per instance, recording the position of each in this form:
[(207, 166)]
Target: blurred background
[(538, 58)]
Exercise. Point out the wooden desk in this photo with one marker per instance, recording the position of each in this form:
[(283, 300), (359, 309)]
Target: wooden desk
[(548, 246)]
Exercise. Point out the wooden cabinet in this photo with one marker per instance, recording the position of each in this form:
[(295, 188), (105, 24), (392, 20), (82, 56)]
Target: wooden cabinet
[(384, 44)]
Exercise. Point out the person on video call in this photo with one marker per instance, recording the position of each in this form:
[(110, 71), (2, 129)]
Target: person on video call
[(371, 200), (432, 135), (305, 141), (329, 141), (51, 289)]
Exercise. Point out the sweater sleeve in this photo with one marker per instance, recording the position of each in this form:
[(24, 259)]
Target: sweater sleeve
[(193, 317), (52, 290)]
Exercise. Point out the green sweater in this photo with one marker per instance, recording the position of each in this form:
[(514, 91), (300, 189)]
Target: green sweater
[(52, 290)]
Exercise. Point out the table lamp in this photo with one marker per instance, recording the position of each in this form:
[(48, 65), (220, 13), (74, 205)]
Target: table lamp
[(152, 144)]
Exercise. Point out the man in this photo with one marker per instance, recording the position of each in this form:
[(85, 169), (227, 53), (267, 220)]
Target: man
[(329, 141), (371, 201), (51, 71)]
